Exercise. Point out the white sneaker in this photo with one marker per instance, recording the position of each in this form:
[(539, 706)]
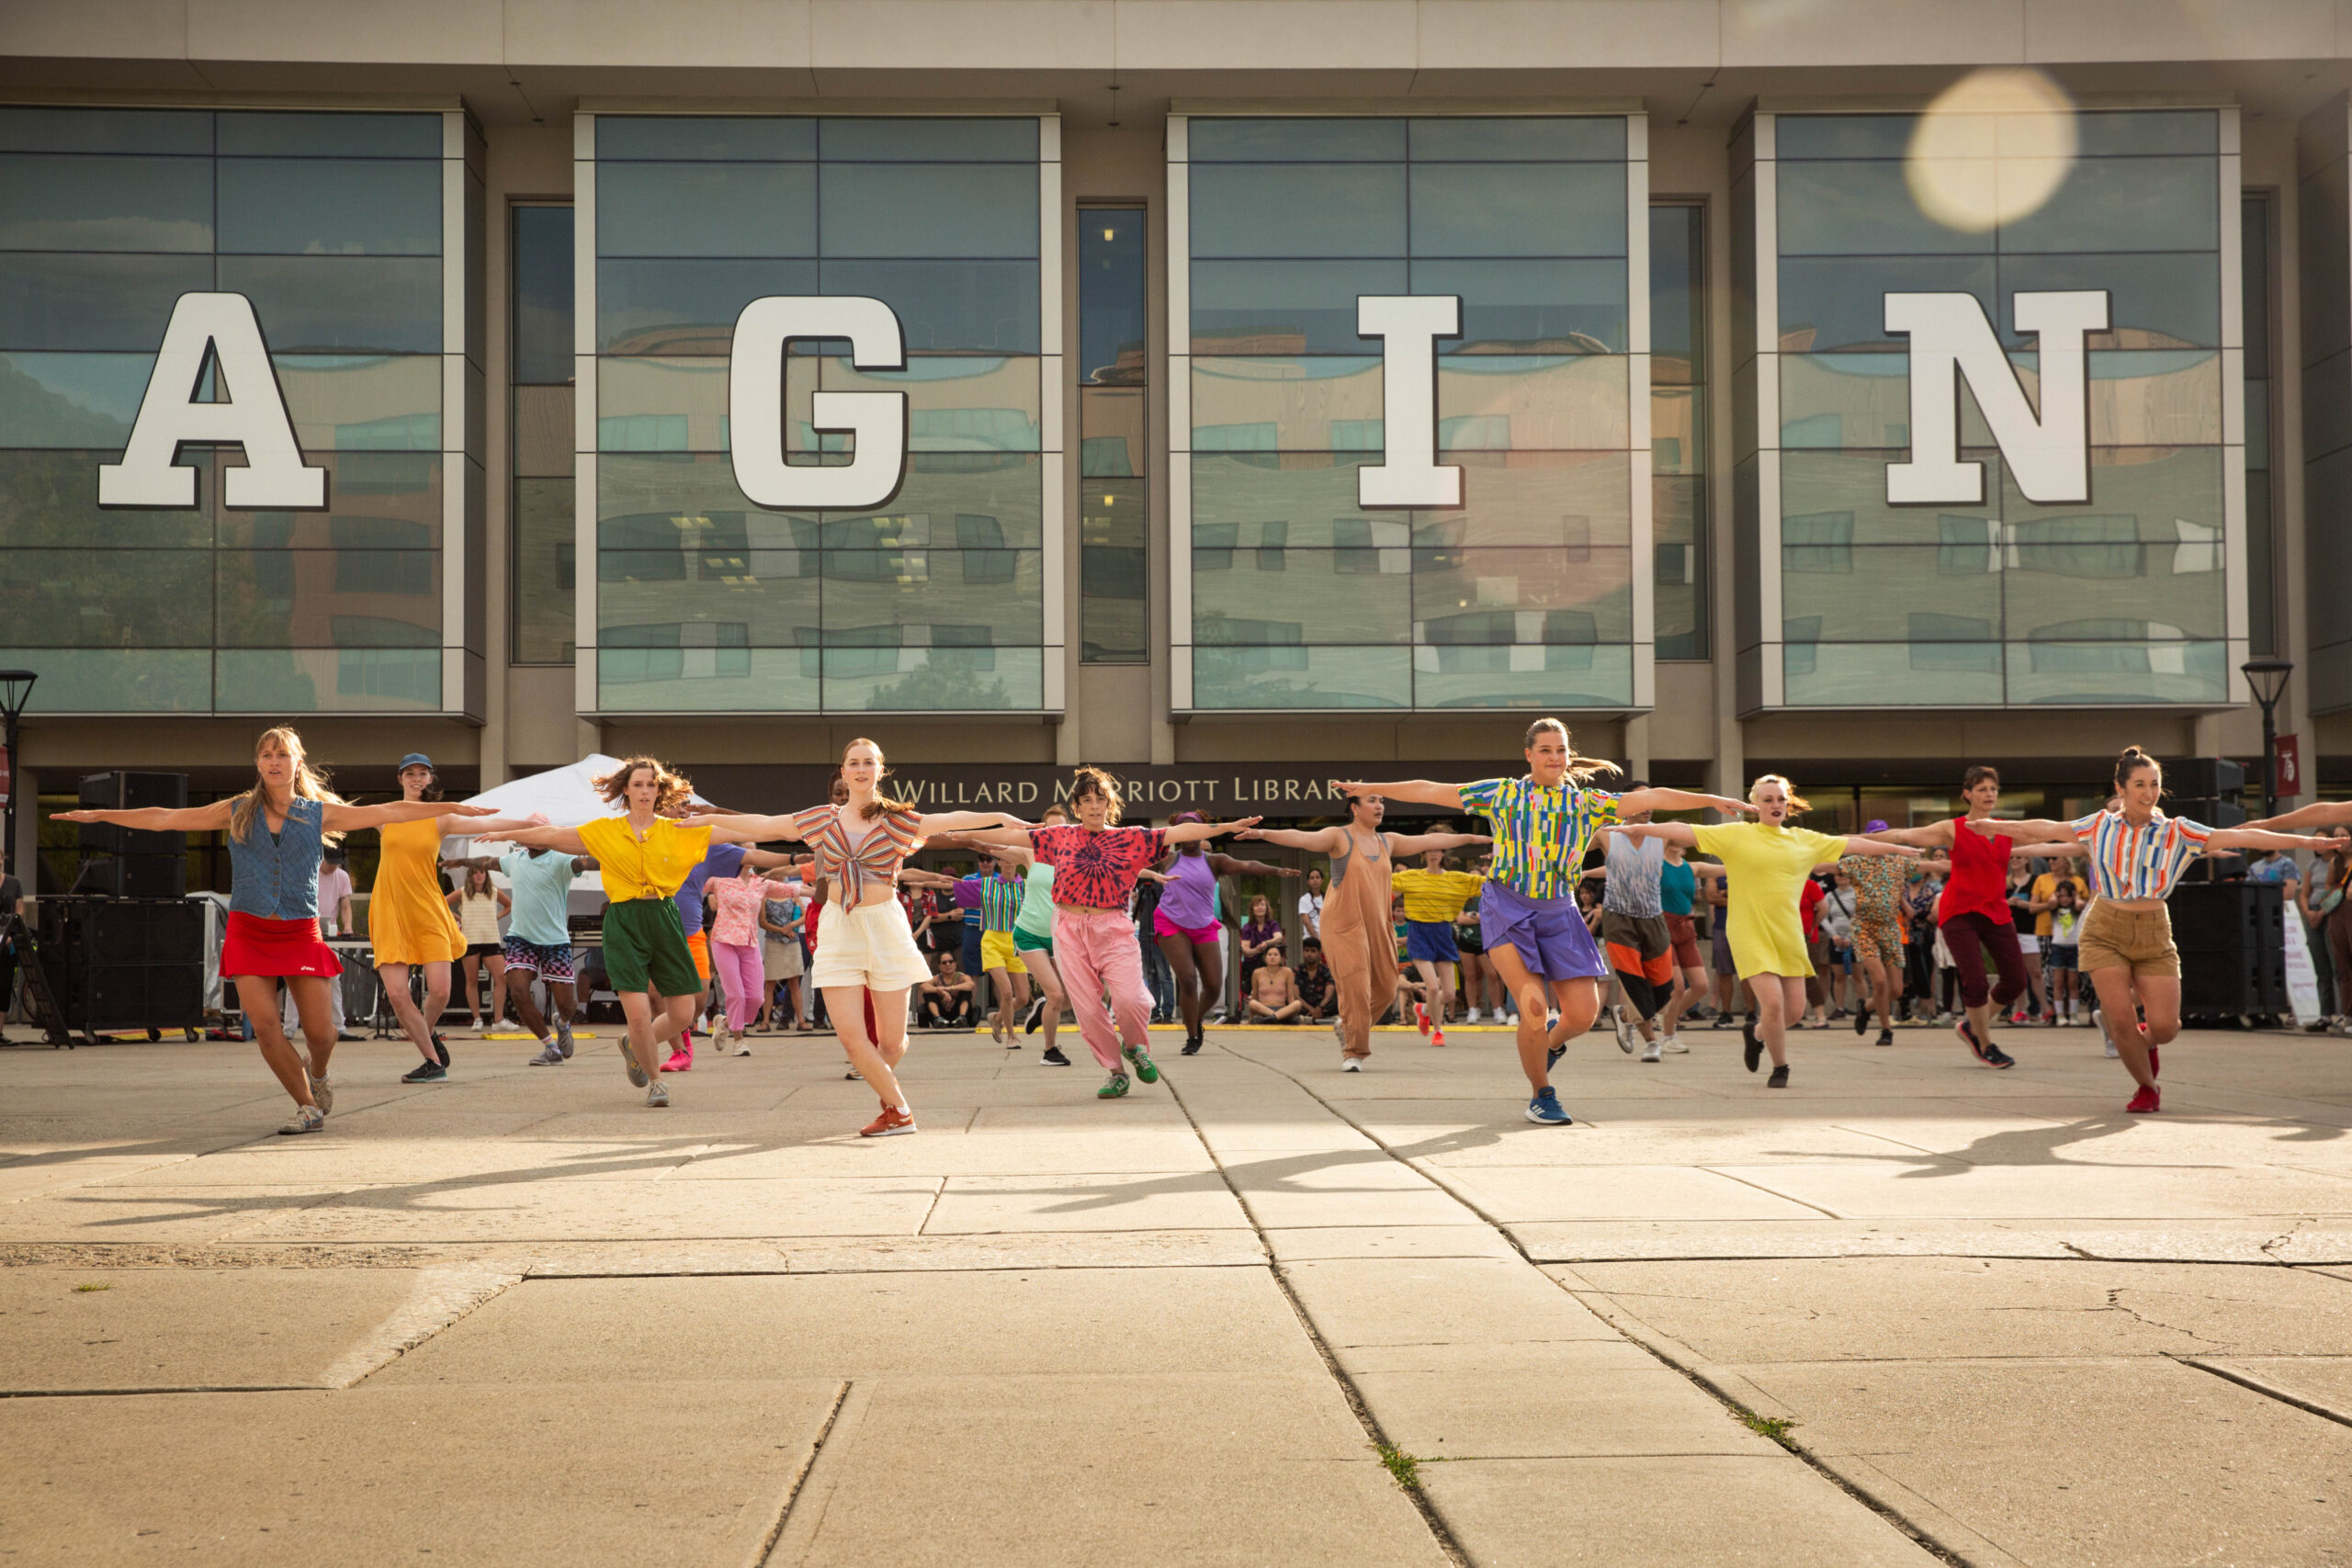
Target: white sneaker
[(307, 1119), (2113, 1053), (1471, 1017), (1674, 1046), (743, 1047), (323, 1093), (1650, 1052), (658, 1096), (1351, 1065), (1625, 1028)]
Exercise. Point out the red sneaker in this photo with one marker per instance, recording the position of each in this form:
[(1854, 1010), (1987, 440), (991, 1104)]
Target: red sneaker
[(1421, 1017), (2147, 1100), (1437, 1036), (893, 1120)]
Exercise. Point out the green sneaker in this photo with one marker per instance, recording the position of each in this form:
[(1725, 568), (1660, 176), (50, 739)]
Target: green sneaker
[(1146, 1068), (1113, 1087)]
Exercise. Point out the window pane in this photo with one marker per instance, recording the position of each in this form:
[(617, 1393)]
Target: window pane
[(313, 207), (1286, 307), (2124, 204), (1874, 592), (184, 131), (1853, 208), (923, 139), (1113, 440), (1300, 404), (705, 678), (72, 399), (1593, 139), (2118, 672), (1523, 596), (105, 204), (1111, 301), (1838, 302), (950, 306), (1311, 493), (1498, 402), (1305, 596), (1554, 307), (543, 288), (385, 303), (685, 307), (1678, 304), (1281, 676), (119, 679), (1299, 209), (913, 209), (542, 570), (331, 135), (1877, 675), (104, 598), (955, 403), (739, 597), (375, 501), (329, 599), (1570, 502), (704, 136), (348, 680), (363, 403), (1517, 209), (2152, 302), (1580, 676), (1852, 486), (1678, 571), (1114, 556), (94, 300), (1281, 140), (706, 209), (52, 498), (1844, 135)]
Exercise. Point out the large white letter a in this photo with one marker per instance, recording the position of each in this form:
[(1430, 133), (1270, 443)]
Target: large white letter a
[(252, 415)]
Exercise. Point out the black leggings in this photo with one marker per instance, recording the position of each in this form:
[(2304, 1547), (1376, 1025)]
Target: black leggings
[(1970, 936)]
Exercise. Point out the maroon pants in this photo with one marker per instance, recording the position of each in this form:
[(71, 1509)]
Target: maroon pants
[(1969, 936)]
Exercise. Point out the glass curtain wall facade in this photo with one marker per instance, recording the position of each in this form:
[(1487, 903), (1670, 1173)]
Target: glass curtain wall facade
[(1288, 595), (1678, 426), (348, 233), (1114, 439), (2261, 499), (542, 558), (947, 597), (2134, 598)]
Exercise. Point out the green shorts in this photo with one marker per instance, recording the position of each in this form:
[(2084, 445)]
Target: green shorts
[(1023, 942), (645, 949)]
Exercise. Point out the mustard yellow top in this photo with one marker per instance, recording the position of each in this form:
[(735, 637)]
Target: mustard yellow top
[(653, 867), (1767, 867), (1436, 896), (408, 919)]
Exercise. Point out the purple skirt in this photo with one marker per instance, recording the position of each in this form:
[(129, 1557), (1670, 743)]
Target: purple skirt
[(1549, 933)]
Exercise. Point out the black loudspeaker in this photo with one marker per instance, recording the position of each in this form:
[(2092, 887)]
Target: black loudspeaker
[(119, 964), (136, 876), (131, 792), (2213, 814), (2204, 778), (2232, 942)]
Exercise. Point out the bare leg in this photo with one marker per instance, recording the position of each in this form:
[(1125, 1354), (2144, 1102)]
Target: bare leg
[(413, 1024), (518, 982), (872, 1062), (653, 1022), (1779, 999), (1049, 982), (257, 994), (2119, 1013), (496, 965), (562, 1000)]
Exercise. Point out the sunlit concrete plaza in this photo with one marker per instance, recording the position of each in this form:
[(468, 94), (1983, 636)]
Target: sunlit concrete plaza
[(519, 1318)]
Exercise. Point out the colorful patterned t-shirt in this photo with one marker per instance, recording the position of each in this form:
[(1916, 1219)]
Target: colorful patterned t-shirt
[(1096, 869), (1540, 834), (1878, 885)]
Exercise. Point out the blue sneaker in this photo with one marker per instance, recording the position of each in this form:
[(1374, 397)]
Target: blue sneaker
[(1545, 1107)]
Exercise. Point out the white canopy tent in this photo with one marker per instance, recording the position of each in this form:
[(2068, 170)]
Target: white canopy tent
[(565, 796)]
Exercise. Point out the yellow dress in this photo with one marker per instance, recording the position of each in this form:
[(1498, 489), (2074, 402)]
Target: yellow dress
[(1767, 867), (408, 919)]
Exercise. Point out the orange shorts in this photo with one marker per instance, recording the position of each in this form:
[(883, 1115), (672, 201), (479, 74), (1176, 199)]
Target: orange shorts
[(699, 945)]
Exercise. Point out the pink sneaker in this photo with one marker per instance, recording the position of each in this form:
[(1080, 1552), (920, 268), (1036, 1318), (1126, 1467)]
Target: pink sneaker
[(682, 1060)]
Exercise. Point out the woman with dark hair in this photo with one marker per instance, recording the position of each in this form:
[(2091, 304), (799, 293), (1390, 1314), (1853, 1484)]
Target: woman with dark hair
[(2136, 854), (1185, 924), (1095, 864), (277, 830), (479, 908), (1973, 913)]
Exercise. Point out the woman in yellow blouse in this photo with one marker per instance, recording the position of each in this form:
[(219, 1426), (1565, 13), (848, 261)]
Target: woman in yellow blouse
[(1768, 862)]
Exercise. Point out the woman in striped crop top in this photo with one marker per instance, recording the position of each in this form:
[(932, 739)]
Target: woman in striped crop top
[(2137, 854), (860, 845)]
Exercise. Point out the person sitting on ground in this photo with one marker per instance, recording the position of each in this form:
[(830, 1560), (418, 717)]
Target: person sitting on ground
[(1274, 992), (947, 996), (1313, 978)]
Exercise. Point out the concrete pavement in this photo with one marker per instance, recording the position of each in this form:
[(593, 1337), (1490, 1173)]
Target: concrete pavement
[(1909, 1308)]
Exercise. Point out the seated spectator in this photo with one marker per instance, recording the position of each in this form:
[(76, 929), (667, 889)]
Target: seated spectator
[(1274, 993), (1313, 978), (947, 996)]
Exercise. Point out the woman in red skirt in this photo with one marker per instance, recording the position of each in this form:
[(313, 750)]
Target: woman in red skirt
[(277, 829)]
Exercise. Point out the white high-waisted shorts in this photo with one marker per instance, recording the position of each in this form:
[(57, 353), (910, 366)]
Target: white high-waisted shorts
[(869, 945)]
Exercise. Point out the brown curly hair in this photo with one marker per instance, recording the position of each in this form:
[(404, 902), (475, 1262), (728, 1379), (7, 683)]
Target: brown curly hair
[(673, 790)]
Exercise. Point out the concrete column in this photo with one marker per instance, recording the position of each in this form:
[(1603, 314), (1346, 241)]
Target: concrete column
[(1638, 746)]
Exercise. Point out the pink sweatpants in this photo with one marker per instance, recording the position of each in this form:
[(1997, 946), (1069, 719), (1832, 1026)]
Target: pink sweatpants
[(1096, 950), (742, 972)]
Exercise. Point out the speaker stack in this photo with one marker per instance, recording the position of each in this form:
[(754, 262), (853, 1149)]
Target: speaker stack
[(130, 862), (2232, 942), (2207, 790), (124, 963)]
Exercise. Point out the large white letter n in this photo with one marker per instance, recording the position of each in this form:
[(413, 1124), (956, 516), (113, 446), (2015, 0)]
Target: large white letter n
[(1950, 340), (251, 414)]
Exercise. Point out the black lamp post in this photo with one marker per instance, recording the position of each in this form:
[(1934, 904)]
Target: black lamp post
[(15, 691), (2268, 679)]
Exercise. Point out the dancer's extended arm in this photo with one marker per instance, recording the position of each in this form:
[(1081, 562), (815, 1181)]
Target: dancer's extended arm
[(1415, 844), (563, 840), (1323, 840), (1421, 791), (1672, 832), (1934, 836), (2263, 838), (2027, 830), (1225, 865), (161, 818), (1655, 799), (1862, 844), (2319, 813)]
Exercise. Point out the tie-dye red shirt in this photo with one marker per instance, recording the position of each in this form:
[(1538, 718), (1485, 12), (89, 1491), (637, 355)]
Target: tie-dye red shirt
[(1096, 870)]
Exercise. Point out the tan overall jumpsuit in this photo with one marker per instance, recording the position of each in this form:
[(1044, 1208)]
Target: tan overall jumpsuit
[(1359, 941)]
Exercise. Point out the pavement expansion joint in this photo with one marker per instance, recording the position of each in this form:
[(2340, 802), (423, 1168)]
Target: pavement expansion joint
[(2267, 1390)]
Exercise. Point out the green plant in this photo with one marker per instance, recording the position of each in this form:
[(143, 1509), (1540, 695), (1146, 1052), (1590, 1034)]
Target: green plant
[(1773, 1427), (89, 1287), (1402, 1466)]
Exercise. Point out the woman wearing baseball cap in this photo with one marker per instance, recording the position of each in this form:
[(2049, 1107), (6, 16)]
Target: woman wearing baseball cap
[(409, 922)]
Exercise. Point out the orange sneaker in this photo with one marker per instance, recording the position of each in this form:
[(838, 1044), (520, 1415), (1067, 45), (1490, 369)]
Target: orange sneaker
[(893, 1120)]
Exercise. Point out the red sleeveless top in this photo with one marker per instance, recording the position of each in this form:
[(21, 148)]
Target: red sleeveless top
[(1979, 883)]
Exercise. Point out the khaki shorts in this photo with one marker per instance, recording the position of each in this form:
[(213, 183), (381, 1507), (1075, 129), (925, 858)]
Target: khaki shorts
[(2137, 939)]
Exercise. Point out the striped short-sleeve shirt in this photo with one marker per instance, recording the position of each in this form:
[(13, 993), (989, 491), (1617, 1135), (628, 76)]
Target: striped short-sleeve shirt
[(2139, 862), (1541, 834)]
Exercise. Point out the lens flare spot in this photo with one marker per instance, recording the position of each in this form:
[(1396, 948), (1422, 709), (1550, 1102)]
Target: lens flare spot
[(1992, 148)]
